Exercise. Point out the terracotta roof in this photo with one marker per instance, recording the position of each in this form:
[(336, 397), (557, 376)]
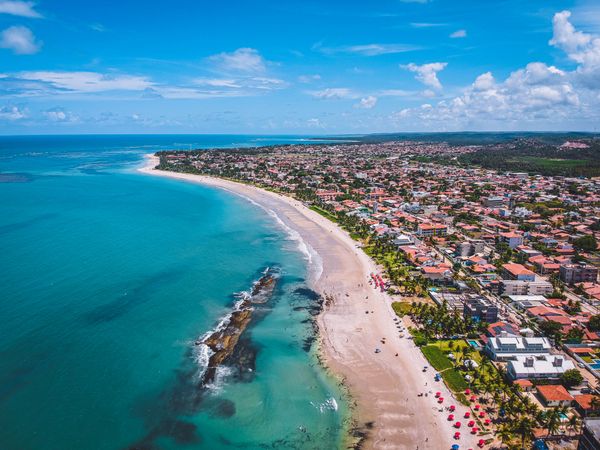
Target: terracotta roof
[(585, 401), (554, 393)]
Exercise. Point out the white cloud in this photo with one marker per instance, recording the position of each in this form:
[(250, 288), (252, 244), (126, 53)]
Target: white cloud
[(366, 49), (19, 8), (60, 115), (583, 48), (334, 93), (367, 102), (459, 34), (87, 82), (427, 73), (309, 78), (535, 92), (20, 40), (246, 60), (426, 24), (218, 82), (314, 123), (12, 113)]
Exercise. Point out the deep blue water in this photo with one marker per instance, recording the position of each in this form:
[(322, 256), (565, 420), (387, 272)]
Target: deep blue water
[(108, 276)]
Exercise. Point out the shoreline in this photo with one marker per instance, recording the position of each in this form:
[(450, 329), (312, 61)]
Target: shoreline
[(382, 387)]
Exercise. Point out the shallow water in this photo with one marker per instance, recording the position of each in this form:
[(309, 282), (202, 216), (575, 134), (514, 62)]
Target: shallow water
[(109, 276)]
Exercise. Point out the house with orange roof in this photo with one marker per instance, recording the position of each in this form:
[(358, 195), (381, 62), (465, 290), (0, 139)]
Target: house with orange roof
[(514, 271), (555, 395)]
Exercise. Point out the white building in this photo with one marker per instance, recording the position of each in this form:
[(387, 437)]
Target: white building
[(545, 366), (520, 287), (506, 346)]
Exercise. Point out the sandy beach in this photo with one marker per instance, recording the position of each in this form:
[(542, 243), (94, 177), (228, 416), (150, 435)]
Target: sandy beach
[(383, 386)]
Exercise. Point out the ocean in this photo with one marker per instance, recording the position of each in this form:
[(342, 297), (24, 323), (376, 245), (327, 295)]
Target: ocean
[(110, 277)]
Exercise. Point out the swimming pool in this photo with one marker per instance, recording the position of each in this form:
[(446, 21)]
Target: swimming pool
[(474, 344)]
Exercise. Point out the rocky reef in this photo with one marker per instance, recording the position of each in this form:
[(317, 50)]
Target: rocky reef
[(223, 340)]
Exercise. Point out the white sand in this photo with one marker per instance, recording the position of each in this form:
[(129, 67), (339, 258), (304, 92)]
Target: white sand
[(384, 386)]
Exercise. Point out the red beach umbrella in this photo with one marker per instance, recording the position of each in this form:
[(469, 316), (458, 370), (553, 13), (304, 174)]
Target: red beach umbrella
[(451, 417), (481, 443), (457, 435), (467, 391), (467, 415), (471, 423), (473, 398), (452, 407), (477, 407), (481, 414), (457, 425), (474, 430), (437, 394)]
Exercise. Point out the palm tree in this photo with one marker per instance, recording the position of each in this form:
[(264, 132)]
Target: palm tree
[(524, 428), (574, 424)]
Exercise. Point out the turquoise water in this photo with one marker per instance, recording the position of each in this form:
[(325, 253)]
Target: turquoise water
[(109, 276)]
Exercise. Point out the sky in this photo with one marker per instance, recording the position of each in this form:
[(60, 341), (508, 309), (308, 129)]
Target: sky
[(298, 66)]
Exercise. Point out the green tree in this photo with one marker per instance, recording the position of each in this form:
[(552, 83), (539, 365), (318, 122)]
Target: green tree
[(586, 243), (571, 377), (594, 323), (550, 328)]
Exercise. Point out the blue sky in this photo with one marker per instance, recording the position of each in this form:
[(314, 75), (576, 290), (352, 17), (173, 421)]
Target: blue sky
[(308, 66)]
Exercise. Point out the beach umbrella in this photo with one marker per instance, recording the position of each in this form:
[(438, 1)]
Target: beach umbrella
[(473, 398), (474, 430), (471, 423), (487, 421), (437, 394), (451, 417), (441, 400), (481, 443), (467, 415), (457, 425), (452, 407), (481, 414), (477, 407), (467, 391), (457, 435), (455, 446)]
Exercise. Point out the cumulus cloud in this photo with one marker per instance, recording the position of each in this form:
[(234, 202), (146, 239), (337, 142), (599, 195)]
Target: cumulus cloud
[(427, 73), (247, 60), (60, 115), (367, 102), (583, 48), (459, 34), (19, 8), (12, 113), (20, 40)]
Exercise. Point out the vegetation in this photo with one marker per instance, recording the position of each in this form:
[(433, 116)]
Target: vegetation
[(571, 378)]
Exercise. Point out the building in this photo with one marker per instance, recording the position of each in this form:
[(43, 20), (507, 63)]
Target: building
[(512, 239), (469, 248), (521, 287), (505, 346), (578, 273), (585, 404), (524, 302), (493, 202), (538, 366), (480, 309), (590, 437), (431, 229), (554, 395), (514, 271)]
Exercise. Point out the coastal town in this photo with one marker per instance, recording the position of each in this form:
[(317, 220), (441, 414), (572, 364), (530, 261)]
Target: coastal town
[(493, 274)]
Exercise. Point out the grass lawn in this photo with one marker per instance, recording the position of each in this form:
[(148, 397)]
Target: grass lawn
[(324, 213), (401, 308), (436, 357), (455, 380)]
